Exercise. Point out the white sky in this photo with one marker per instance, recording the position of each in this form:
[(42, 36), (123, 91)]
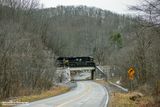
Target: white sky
[(118, 6)]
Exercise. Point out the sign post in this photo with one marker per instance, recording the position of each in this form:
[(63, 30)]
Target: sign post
[(131, 73)]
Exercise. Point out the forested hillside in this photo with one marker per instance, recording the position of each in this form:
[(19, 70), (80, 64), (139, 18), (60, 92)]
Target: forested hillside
[(31, 37), (83, 31), (26, 66)]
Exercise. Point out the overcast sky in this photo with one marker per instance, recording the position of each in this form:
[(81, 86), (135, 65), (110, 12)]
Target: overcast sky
[(118, 6)]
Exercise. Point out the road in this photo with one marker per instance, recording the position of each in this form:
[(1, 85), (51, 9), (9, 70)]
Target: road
[(83, 76), (86, 94)]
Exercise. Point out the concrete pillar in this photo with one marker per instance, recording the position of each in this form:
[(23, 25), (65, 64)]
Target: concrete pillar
[(92, 74)]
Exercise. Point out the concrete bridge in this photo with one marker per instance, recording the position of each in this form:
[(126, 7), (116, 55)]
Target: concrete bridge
[(78, 68), (81, 73)]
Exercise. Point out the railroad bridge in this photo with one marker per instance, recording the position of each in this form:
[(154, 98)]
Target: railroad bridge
[(77, 68)]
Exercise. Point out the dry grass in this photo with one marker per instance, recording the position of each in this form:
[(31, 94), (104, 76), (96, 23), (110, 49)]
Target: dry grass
[(3, 105), (46, 94), (123, 100), (53, 92), (118, 99)]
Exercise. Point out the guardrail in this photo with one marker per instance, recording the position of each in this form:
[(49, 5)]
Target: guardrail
[(122, 88), (100, 70)]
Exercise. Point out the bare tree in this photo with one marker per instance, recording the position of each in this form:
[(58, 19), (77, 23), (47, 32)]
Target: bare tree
[(150, 12)]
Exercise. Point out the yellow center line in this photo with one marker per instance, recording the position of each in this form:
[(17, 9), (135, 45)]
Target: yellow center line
[(84, 93)]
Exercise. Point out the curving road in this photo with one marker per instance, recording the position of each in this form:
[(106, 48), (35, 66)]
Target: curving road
[(86, 94)]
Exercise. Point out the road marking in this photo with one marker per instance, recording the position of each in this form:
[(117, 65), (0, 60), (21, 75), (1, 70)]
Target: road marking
[(106, 103), (84, 93)]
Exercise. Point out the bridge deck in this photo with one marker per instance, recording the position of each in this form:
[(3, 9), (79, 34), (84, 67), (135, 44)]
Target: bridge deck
[(78, 68)]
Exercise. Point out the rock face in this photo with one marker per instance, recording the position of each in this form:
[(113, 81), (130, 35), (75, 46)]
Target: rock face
[(63, 75), (66, 77)]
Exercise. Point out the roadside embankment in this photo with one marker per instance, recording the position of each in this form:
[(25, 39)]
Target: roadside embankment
[(136, 98), (56, 90), (131, 99), (118, 97), (52, 92)]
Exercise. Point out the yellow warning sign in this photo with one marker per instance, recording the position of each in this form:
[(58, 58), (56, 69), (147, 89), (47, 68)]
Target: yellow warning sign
[(131, 73)]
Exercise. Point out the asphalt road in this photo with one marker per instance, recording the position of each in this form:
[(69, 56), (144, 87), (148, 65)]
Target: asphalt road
[(86, 94), (83, 76)]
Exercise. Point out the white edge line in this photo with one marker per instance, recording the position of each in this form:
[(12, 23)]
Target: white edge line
[(106, 90)]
